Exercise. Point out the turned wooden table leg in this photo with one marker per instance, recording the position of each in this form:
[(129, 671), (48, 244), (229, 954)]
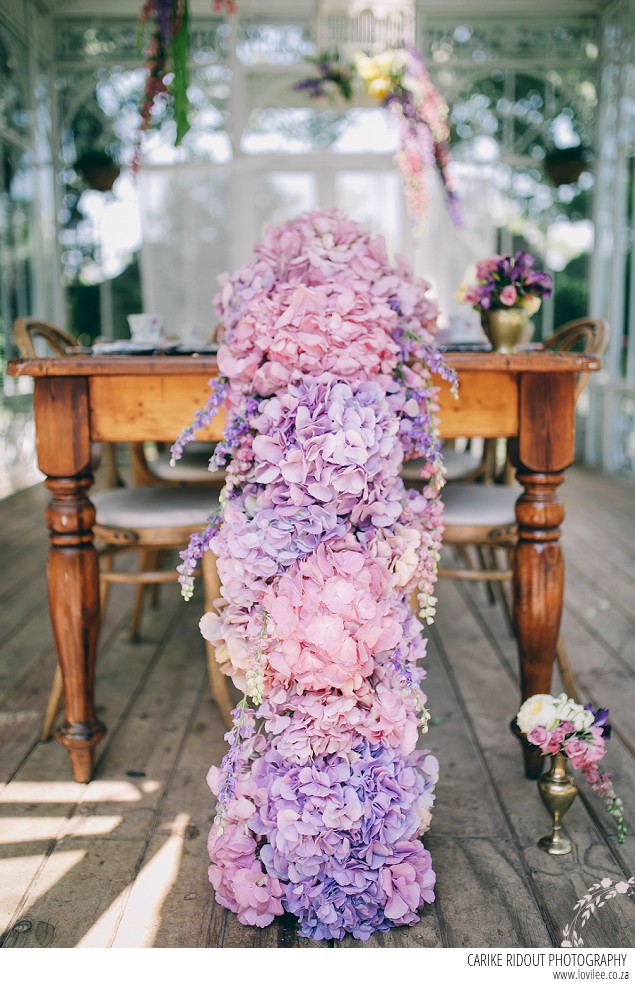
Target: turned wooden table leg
[(542, 453), (73, 586), (63, 448), (538, 589)]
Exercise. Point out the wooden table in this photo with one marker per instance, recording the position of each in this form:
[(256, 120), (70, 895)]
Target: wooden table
[(528, 397)]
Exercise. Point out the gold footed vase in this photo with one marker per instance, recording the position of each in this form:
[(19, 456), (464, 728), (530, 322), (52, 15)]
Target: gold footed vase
[(558, 791), (506, 328)]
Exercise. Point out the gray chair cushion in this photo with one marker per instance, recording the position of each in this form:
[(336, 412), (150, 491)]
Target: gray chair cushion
[(154, 507), (479, 504), (457, 464)]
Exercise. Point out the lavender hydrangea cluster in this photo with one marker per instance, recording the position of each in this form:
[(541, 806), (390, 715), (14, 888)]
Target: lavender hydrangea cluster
[(337, 840), (327, 368)]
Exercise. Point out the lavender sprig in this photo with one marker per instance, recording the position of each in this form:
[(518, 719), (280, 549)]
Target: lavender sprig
[(404, 669), (237, 428), (436, 362), (199, 543), (243, 729), (233, 762), (202, 418)]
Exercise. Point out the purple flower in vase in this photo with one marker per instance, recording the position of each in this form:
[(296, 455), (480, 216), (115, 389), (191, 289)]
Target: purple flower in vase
[(524, 260), (538, 283), (600, 718), (504, 282)]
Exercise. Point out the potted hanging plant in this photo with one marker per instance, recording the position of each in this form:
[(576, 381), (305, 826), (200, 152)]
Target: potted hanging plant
[(398, 80), (97, 169), (565, 165)]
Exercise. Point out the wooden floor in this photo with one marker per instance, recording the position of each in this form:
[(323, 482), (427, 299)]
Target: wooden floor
[(122, 861)]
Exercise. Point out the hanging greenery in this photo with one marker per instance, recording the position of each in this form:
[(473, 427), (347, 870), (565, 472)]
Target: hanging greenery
[(164, 40)]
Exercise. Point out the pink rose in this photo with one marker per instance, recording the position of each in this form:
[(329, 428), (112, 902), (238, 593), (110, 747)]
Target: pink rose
[(576, 751), (538, 736), (472, 295), (487, 266), (508, 295)]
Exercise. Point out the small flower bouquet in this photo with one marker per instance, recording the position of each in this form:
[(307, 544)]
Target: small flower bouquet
[(558, 725), (503, 282), (398, 80)]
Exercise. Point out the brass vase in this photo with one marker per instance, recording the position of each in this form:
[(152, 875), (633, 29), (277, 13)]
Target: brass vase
[(506, 327), (558, 791)]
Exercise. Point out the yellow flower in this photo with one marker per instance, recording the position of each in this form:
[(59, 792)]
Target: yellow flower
[(366, 67), (459, 296), (469, 279), (531, 304), (387, 61), (379, 88)]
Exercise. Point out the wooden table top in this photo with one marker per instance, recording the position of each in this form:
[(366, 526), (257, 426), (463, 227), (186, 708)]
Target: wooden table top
[(90, 365)]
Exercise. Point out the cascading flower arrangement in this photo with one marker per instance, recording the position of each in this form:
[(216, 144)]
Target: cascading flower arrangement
[(558, 725), (398, 80), (326, 362), (502, 282)]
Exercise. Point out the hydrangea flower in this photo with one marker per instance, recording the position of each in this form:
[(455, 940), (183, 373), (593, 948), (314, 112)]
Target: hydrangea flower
[(336, 837), (328, 369)]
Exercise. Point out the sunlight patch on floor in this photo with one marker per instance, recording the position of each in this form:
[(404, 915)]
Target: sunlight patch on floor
[(30, 829), (22, 792), (23, 869), (142, 903)]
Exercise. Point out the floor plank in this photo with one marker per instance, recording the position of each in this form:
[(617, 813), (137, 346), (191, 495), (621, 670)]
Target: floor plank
[(123, 860)]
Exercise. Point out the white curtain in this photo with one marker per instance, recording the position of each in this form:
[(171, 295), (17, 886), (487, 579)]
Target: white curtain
[(185, 215), (200, 220), (442, 252)]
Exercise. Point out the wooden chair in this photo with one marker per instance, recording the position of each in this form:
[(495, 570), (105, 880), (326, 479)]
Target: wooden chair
[(155, 470), (484, 516), (149, 520), (589, 335), (35, 338), (461, 466)]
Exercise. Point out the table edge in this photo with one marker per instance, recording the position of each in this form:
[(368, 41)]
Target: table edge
[(83, 365)]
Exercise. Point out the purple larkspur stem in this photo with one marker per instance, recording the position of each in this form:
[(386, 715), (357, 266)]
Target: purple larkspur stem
[(202, 418)]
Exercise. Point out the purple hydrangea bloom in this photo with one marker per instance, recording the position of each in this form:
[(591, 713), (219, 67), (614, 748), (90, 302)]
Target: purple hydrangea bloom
[(340, 834)]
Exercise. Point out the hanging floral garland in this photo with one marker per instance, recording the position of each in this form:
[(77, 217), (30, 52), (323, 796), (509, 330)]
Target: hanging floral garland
[(327, 363), (163, 38), (398, 80)]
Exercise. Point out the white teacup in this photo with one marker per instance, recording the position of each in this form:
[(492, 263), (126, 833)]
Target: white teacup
[(195, 334), (145, 328)]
